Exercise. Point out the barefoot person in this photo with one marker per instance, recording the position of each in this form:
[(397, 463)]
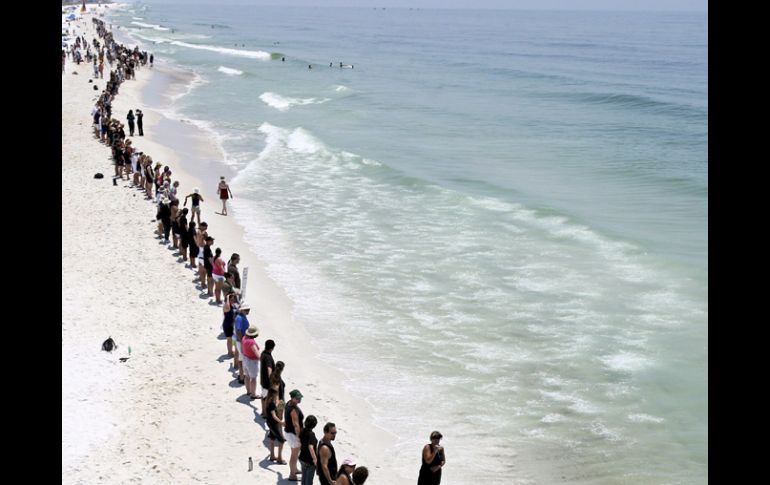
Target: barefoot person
[(274, 424), (294, 418), (250, 357), (224, 191), (432, 461), (218, 273), (197, 198)]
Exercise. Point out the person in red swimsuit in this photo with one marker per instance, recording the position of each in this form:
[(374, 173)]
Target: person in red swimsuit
[(224, 194)]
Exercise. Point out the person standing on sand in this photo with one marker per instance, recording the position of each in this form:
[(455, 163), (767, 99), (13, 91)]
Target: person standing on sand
[(152, 59), (208, 264), (218, 273), (251, 361), (307, 457), (274, 424), (327, 457), (224, 190), (294, 419), (267, 364), (228, 323), (241, 325), (232, 267), (192, 234), (197, 198), (433, 460), (130, 118), (139, 124)]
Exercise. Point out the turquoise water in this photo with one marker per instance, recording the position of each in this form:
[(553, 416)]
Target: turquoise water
[(498, 219)]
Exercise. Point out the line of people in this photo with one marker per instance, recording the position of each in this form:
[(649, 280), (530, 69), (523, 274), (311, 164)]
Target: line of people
[(284, 421)]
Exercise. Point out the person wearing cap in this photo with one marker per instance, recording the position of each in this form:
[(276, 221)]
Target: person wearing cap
[(197, 198), (251, 360), (294, 418), (308, 459), (327, 457), (241, 325), (343, 475), (432, 461)]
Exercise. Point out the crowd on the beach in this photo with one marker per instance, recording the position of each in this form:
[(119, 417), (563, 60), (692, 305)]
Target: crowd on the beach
[(254, 365)]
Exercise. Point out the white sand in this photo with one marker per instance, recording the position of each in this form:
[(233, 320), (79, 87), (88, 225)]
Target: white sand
[(172, 413)]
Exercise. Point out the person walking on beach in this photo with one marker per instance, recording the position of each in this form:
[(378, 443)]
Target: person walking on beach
[(130, 118), (308, 459), (250, 357), (327, 457), (433, 460), (294, 419), (197, 198), (267, 364), (224, 190), (139, 125)]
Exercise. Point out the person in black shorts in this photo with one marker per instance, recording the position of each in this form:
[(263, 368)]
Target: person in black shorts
[(227, 324), (274, 424)]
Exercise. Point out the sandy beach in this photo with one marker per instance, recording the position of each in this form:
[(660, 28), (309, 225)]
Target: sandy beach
[(172, 412)]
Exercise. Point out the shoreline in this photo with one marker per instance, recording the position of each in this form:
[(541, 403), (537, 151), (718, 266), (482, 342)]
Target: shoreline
[(359, 437)]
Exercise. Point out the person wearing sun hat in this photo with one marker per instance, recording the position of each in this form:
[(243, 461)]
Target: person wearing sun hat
[(294, 418), (251, 360)]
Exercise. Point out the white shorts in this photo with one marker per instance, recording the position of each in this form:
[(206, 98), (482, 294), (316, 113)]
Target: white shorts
[(250, 367), (195, 208), (292, 439), (217, 277), (238, 347)]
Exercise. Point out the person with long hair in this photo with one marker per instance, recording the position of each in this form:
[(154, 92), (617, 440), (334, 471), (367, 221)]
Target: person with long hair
[(274, 424)]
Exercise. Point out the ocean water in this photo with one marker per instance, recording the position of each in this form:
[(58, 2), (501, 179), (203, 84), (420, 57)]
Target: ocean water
[(496, 221)]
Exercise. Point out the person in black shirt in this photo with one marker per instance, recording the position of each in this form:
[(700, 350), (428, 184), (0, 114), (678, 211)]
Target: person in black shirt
[(327, 470), (432, 461), (139, 125), (266, 366), (293, 417), (307, 457), (274, 425)]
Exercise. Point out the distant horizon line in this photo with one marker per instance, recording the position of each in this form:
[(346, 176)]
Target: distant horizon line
[(546, 9)]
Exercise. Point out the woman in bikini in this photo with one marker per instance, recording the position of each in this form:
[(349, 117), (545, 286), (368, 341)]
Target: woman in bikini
[(224, 194)]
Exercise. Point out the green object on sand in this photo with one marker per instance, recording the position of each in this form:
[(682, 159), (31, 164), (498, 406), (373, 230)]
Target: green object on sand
[(129, 350)]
